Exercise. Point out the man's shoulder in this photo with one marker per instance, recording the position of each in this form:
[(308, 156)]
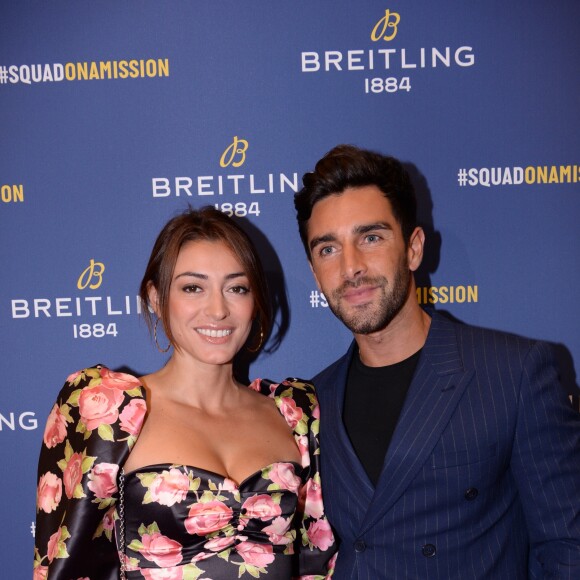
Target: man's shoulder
[(478, 333), (495, 343)]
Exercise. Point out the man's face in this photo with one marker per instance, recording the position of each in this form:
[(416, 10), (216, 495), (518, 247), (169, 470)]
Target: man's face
[(359, 258)]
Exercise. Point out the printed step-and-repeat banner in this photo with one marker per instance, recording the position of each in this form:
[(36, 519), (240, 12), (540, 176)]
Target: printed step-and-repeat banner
[(116, 115)]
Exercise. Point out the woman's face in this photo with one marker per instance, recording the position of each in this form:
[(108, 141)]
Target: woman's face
[(211, 307)]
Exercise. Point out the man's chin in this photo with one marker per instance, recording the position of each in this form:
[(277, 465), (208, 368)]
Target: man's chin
[(367, 325)]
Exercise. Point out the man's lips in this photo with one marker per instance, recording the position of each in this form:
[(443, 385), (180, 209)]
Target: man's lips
[(358, 295)]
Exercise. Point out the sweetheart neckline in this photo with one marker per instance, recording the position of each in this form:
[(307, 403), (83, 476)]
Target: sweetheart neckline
[(155, 466)]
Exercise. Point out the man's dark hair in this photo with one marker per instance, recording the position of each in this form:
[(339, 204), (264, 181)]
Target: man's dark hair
[(347, 166)]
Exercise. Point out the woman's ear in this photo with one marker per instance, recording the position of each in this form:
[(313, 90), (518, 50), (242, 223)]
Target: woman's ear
[(153, 298)]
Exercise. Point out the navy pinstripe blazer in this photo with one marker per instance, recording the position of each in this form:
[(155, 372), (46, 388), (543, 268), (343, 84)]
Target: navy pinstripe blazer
[(482, 476)]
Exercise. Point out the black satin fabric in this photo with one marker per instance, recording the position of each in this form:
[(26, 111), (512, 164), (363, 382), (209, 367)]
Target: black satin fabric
[(164, 528)]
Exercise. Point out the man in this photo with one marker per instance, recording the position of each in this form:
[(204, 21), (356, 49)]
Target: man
[(448, 451)]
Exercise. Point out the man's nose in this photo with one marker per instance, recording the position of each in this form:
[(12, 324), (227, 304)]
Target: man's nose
[(352, 263)]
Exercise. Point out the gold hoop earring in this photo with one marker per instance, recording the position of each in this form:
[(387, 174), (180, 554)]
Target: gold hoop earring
[(253, 350), (155, 337)]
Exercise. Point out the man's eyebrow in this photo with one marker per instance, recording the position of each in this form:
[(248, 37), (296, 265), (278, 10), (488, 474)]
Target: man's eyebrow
[(321, 240), (371, 227)]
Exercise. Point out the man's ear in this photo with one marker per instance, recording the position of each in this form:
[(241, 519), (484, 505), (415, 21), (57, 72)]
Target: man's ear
[(415, 249)]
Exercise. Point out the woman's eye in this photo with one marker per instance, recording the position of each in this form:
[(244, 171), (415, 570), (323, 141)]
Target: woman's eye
[(240, 289), (191, 288)]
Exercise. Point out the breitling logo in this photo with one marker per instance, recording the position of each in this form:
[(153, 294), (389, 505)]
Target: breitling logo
[(90, 278), (94, 272), (234, 154), (387, 27)]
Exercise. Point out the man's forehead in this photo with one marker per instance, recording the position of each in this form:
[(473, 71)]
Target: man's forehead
[(350, 210)]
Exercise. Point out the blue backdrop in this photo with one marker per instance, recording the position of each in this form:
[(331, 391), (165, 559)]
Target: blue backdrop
[(116, 115)]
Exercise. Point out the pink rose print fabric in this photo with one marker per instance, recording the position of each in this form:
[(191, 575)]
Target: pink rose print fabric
[(215, 529), (181, 522)]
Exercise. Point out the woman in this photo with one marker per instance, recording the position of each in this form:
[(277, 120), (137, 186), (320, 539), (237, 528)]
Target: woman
[(185, 472)]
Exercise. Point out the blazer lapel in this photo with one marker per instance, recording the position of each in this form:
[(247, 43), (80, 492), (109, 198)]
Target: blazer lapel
[(337, 454), (433, 395)]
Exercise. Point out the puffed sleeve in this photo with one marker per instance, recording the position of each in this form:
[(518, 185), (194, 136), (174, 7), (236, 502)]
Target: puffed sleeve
[(315, 544), (92, 426)]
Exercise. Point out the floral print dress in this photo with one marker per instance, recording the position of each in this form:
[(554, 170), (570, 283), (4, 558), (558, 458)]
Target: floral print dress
[(179, 522)]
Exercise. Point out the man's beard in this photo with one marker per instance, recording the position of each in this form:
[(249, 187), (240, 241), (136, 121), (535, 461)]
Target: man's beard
[(371, 317)]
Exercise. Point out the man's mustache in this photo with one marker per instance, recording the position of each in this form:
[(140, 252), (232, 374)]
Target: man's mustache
[(364, 281)]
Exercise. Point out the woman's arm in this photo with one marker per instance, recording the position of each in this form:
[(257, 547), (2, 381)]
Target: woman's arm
[(89, 432)]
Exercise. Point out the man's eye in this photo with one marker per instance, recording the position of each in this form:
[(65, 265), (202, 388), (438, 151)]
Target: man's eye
[(372, 238), (326, 251)]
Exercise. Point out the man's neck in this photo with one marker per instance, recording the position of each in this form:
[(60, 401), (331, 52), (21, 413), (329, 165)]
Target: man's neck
[(403, 337)]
